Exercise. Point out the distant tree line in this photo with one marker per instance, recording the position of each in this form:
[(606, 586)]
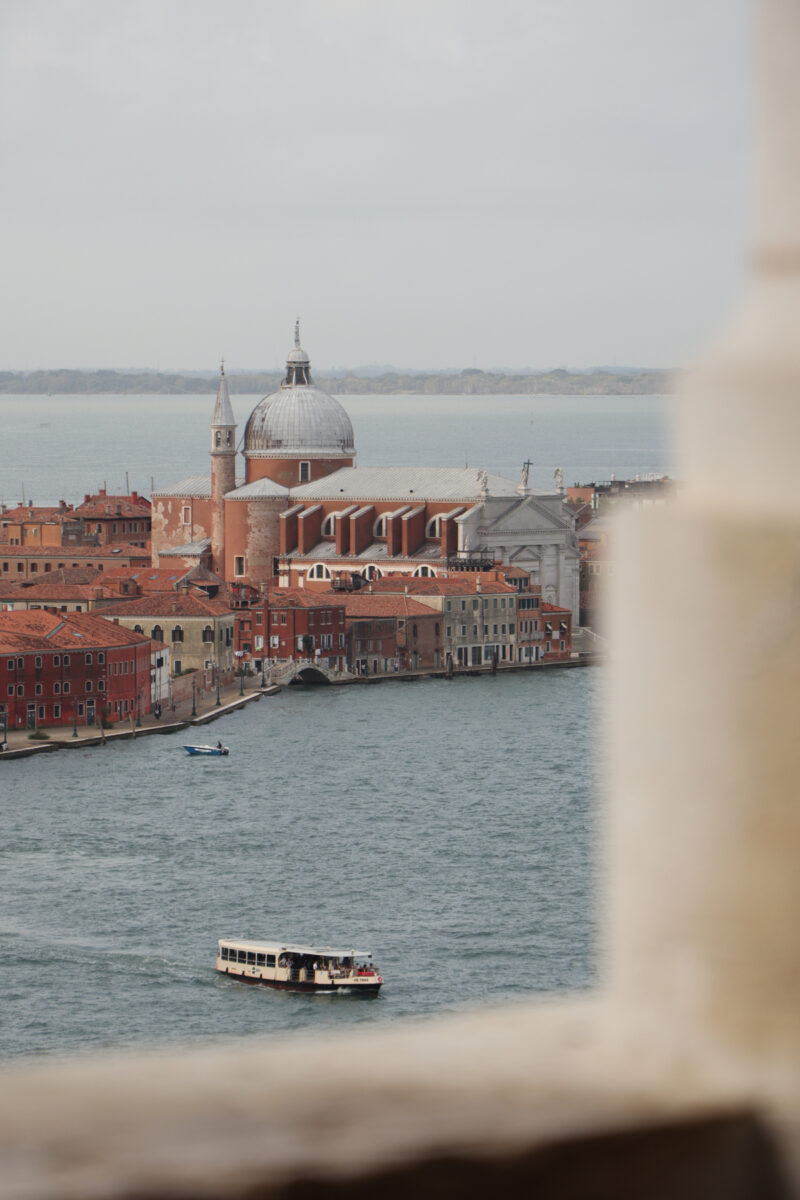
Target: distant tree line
[(470, 382)]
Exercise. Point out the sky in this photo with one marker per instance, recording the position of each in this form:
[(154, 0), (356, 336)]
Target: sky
[(428, 184)]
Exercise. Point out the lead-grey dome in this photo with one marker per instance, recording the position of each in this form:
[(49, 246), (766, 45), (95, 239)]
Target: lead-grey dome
[(299, 418)]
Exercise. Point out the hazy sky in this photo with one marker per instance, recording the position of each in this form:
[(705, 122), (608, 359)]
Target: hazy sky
[(428, 184)]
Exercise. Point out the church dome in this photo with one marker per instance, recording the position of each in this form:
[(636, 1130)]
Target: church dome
[(299, 418)]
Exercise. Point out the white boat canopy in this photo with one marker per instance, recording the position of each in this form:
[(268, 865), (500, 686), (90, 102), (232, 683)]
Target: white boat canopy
[(293, 948)]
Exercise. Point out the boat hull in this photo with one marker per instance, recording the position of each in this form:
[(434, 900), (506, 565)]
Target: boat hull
[(287, 985)]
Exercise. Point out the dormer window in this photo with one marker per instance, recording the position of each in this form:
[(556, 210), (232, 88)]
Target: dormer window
[(379, 528), (329, 525), (434, 528)]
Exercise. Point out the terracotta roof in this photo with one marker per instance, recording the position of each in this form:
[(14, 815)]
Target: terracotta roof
[(41, 630), (118, 550), (438, 586), (299, 598), (168, 604), (43, 589), (553, 608), (27, 512), (110, 508), (147, 579), (367, 604)]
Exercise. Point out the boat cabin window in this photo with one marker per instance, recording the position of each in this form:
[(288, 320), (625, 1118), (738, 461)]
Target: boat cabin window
[(224, 953), (261, 960), (251, 958), (270, 960)]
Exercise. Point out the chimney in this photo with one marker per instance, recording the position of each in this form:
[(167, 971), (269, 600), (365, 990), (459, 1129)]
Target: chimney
[(478, 583), (86, 498)]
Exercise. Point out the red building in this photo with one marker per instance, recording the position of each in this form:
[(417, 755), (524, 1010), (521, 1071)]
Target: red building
[(60, 668), (387, 634), (292, 624)]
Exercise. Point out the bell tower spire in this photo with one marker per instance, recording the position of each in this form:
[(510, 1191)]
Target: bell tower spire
[(223, 468)]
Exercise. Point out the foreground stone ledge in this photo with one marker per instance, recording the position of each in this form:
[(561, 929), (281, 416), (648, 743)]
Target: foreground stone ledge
[(494, 1089)]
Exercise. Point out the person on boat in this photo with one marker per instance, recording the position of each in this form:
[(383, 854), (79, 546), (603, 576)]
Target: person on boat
[(219, 745)]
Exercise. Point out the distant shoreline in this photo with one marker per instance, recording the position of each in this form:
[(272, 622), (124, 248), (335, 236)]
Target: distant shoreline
[(468, 382)]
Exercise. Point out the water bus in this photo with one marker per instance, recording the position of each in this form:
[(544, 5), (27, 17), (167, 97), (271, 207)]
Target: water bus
[(299, 968)]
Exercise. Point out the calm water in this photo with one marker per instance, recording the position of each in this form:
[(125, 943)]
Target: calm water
[(60, 447), (449, 826)]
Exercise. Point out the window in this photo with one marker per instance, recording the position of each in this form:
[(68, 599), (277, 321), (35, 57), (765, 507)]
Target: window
[(238, 564), (270, 960), (88, 659), (11, 689), (80, 709), (208, 634), (329, 526), (305, 472), (157, 633), (186, 513), (101, 685), (56, 711), (38, 689), (56, 660), (10, 664), (66, 687), (379, 528), (177, 666), (463, 630), (424, 573), (56, 688), (318, 571), (261, 960), (101, 658), (138, 629), (177, 633), (372, 572), (88, 685), (20, 690), (40, 712), (434, 528), (37, 662), (242, 956), (20, 663)]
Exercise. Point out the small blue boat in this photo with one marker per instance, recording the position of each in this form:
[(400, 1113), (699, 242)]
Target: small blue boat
[(217, 750)]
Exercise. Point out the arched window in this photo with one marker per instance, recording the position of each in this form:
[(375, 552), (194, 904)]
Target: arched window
[(318, 571), (379, 528), (138, 629), (218, 438), (177, 633), (434, 528), (208, 634), (157, 633), (424, 572), (329, 526), (372, 572)]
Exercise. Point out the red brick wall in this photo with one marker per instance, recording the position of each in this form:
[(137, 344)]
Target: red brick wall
[(361, 523), (286, 471), (309, 528), (413, 526)]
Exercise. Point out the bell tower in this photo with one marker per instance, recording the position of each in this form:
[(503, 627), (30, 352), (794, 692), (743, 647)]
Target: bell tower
[(223, 469)]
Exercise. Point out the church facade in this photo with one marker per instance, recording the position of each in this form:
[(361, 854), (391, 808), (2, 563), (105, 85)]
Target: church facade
[(306, 516)]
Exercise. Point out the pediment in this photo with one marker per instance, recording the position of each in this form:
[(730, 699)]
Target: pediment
[(527, 513)]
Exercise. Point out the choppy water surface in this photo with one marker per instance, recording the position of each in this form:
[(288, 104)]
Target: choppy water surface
[(450, 826)]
